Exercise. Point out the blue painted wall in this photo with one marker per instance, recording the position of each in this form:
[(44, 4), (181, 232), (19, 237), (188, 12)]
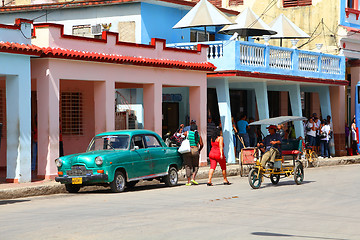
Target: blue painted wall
[(157, 22)]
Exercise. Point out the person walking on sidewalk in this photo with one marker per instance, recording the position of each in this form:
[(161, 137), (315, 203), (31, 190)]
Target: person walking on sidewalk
[(191, 159), (217, 156)]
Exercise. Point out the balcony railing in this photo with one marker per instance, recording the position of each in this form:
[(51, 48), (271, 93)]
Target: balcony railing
[(247, 56)]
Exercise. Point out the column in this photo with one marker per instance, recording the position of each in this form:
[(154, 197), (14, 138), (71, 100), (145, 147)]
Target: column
[(153, 107), (223, 95), (325, 103), (198, 111), (139, 108), (48, 94), (262, 103), (337, 96), (355, 78), (18, 109), (295, 101), (104, 100)]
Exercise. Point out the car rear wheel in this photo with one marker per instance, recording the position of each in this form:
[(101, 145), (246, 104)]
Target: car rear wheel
[(119, 183), (172, 178), (72, 188)]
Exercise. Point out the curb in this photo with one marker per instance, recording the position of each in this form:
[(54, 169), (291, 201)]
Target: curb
[(52, 187)]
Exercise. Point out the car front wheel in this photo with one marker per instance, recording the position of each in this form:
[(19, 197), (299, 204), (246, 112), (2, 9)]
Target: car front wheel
[(172, 178), (118, 185)]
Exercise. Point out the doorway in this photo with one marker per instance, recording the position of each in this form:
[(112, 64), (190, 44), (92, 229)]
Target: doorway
[(170, 111)]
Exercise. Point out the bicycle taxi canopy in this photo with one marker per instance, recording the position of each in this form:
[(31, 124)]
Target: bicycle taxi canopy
[(278, 120)]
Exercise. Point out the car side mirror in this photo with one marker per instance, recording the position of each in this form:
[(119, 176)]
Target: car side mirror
[(136, 148)]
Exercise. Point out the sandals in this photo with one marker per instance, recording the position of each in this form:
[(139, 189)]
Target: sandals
[(227, 183), (209, 184)]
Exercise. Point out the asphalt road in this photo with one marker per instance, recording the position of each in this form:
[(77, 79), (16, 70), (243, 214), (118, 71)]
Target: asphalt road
[(325, 206)]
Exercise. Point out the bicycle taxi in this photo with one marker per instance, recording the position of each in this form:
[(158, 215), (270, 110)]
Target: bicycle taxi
[(279, 170)]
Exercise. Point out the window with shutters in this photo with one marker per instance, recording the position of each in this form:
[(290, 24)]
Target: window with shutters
[(71, 113), (215, 2), (296, 3), (236, 2), (350, 3)]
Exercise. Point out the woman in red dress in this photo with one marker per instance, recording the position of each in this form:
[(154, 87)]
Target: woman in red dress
[(216, 155)]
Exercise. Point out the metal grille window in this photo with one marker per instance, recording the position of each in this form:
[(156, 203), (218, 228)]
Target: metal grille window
[(296, 3), (236, 2), (72, 113)]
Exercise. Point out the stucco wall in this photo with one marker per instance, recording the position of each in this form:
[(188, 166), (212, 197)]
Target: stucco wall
[(305, 17), (73, 143)]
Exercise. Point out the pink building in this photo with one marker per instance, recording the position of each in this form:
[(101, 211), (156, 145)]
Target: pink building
[(73, 81)]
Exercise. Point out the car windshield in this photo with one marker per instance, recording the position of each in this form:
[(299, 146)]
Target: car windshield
[(109, 142)]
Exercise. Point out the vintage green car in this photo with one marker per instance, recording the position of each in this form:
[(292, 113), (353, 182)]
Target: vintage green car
[(120, 159)]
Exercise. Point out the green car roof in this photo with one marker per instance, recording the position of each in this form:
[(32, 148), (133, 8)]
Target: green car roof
[(127, 132)]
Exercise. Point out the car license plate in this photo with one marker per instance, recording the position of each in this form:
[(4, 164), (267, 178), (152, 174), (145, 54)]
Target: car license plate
[(77, 180)]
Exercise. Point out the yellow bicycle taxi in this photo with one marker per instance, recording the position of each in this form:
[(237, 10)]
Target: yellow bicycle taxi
[(279, 170)]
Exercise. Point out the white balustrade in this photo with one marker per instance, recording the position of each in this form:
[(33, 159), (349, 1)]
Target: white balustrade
[(330, 65), (308, 62), (280, 59), (215, 51), (252, 55)]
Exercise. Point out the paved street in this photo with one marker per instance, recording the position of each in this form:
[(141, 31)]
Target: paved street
[(326, 206)]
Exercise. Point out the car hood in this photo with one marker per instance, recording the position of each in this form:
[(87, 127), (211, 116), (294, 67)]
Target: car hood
[(88, 158)]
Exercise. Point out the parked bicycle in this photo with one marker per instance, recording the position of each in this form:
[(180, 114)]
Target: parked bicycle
[(311, 157)]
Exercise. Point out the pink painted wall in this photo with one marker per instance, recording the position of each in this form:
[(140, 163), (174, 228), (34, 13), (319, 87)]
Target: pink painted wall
[(3, 145), (73, 143), (109, 44), (97, 80)]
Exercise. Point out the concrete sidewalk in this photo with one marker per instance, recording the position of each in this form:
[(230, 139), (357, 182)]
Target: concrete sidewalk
[(47, 187)]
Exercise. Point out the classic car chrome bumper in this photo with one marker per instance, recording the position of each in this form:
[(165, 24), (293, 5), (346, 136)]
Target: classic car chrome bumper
[(87, 178)]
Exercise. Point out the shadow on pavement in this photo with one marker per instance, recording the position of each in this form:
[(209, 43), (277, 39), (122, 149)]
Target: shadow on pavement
[(287, 183), (5, 202), (270, 234)]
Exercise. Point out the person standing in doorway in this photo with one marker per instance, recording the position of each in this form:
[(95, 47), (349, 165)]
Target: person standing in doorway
[(235, 133), (243, 126), (324, 139), (354, 138), (34, 144)]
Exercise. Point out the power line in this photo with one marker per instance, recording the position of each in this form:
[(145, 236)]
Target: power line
[(268, 7), (51, 11)]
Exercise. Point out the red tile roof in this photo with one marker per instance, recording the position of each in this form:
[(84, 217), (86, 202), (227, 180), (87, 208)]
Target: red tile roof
[(89, 3), (101, 57)]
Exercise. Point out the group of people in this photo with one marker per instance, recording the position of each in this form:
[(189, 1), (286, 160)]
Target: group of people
[(191, 159), (318, 134)]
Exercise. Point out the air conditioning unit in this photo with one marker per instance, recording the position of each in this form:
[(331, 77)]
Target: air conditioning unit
[(96, 29)]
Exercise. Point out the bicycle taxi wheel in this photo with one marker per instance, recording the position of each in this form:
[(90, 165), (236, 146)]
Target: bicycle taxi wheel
[(299, 173), (255, 178)]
